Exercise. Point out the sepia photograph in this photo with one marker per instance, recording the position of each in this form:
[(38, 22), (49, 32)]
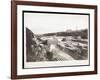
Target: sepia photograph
[(52, 36), (53, 39)]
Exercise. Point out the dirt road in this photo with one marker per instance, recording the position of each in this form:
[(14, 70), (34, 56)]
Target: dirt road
[(60, 55)]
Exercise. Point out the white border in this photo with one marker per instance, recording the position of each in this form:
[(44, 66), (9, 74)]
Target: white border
[(21, 71)]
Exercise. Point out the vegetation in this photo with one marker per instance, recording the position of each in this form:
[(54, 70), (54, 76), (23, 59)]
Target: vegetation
[(82, 33)]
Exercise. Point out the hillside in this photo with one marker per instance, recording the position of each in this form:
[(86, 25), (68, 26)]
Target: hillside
[(82, 33)]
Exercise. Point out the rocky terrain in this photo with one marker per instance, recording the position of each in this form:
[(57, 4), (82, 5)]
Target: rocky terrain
[(58, 46)]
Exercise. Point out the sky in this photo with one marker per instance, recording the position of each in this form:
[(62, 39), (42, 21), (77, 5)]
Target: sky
[(41, 23)]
